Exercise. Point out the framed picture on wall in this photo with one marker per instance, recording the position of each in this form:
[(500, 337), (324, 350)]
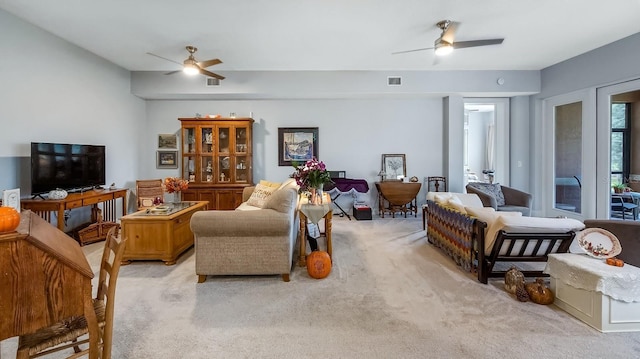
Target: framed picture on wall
[(167, 159), (394, 167), (297, 144), (167, 141)]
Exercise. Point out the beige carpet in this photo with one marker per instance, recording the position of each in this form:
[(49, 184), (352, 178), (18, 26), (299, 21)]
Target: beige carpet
[(390, 295)]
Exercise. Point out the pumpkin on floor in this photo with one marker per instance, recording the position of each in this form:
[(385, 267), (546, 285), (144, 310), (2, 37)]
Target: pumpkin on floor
[(318, 264)]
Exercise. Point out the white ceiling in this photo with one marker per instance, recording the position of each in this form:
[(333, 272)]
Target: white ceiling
[(332, 34)]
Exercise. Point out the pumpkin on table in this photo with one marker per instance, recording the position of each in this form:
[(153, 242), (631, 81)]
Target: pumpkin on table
[(318, 264), (9, 219)]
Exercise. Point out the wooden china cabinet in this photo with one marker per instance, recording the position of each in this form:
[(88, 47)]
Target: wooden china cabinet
[(217, 160)]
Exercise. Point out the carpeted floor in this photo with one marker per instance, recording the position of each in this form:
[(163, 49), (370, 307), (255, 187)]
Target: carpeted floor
[(390, 295)]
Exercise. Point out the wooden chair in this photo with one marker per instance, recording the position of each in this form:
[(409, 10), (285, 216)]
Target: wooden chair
[(147, 191), (65, 334), (436, 182)]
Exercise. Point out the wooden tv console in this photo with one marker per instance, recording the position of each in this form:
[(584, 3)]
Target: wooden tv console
[(44, 207)]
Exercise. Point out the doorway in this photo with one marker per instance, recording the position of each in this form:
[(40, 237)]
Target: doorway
[(486, 140), (618, 144)]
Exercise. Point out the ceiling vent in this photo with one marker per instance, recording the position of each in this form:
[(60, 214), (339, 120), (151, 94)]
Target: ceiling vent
[(212, 82), (394, 81)]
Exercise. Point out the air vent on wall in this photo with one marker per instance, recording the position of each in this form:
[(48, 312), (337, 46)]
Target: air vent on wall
[(212, 81), (394, 81)]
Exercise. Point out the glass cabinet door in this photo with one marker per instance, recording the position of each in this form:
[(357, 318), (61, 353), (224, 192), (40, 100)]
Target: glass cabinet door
[(189, 168), (206, 139), (189, 142), (224, 169), (224, 140), (242, 168), (207, 169), (241, 140)]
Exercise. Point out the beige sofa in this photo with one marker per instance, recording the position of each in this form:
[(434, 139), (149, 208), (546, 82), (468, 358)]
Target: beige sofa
[(250, 240)]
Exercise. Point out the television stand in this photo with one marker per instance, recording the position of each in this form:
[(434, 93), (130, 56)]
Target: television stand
[(107, 199)]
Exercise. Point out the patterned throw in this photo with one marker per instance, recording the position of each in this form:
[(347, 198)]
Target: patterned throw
[(452, 232)]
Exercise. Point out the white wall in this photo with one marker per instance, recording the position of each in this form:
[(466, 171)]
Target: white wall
[(53, 91), (353, 133)]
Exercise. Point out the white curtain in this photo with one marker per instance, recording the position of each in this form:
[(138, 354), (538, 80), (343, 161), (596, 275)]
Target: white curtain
[(491, 147)]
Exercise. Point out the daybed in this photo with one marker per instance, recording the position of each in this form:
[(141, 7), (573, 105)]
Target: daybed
[(479, 237), (257, 238)]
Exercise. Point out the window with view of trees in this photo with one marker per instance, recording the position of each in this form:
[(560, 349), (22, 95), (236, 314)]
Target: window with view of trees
[(620, 142)]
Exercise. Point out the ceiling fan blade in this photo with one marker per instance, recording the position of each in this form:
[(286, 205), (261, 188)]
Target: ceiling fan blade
[(164, 58), (208, 63), (474, 43), (403, 52), (211, 74), (449, 34), (173, 72)]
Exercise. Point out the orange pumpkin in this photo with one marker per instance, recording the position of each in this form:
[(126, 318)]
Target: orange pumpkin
[(615, 262), (9, 219), (318, 264)]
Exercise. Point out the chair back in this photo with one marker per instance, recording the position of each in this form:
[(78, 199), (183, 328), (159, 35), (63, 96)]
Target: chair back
[(437, 184), (109, 269), (147, 191)]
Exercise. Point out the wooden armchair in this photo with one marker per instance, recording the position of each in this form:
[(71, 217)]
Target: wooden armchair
[(147, 191)]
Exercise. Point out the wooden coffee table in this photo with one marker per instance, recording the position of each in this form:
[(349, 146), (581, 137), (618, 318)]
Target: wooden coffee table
[(158, 234)]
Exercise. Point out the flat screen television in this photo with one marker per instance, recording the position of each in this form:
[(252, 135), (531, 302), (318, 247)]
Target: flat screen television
[(67, 166)]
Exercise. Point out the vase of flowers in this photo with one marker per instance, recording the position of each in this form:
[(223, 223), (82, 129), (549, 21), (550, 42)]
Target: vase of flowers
[(175, 185), (311, 176)]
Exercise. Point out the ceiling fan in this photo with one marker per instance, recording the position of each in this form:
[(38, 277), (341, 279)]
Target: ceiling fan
[(191, 66), (445, 44)]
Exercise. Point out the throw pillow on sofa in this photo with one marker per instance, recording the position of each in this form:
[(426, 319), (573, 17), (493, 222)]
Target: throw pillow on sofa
[(493, 189), (260, 195)]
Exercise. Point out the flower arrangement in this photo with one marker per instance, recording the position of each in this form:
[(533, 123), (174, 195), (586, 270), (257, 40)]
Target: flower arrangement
[(175, 184), (311, 174)]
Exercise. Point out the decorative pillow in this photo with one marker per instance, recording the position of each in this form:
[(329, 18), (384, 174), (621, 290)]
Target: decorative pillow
[(260, 195), (270, 184), (282, 200), (456, 204), (442, 199), (493, 189)]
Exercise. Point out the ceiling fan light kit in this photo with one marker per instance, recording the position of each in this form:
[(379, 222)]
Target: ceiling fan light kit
[(192, 67), (443, 48), (445, 44)]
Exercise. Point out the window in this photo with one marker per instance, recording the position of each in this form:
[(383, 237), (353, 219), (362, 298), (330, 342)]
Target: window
[(620, 142)]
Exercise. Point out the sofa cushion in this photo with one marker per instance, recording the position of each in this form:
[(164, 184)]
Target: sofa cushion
[(488, 214), (283, 200), (244, 206), (519, 224), (493, 189), (260, 195)]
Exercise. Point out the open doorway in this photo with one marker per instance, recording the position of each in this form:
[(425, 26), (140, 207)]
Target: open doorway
[(618, 143), (625, 157), (486, 140)]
